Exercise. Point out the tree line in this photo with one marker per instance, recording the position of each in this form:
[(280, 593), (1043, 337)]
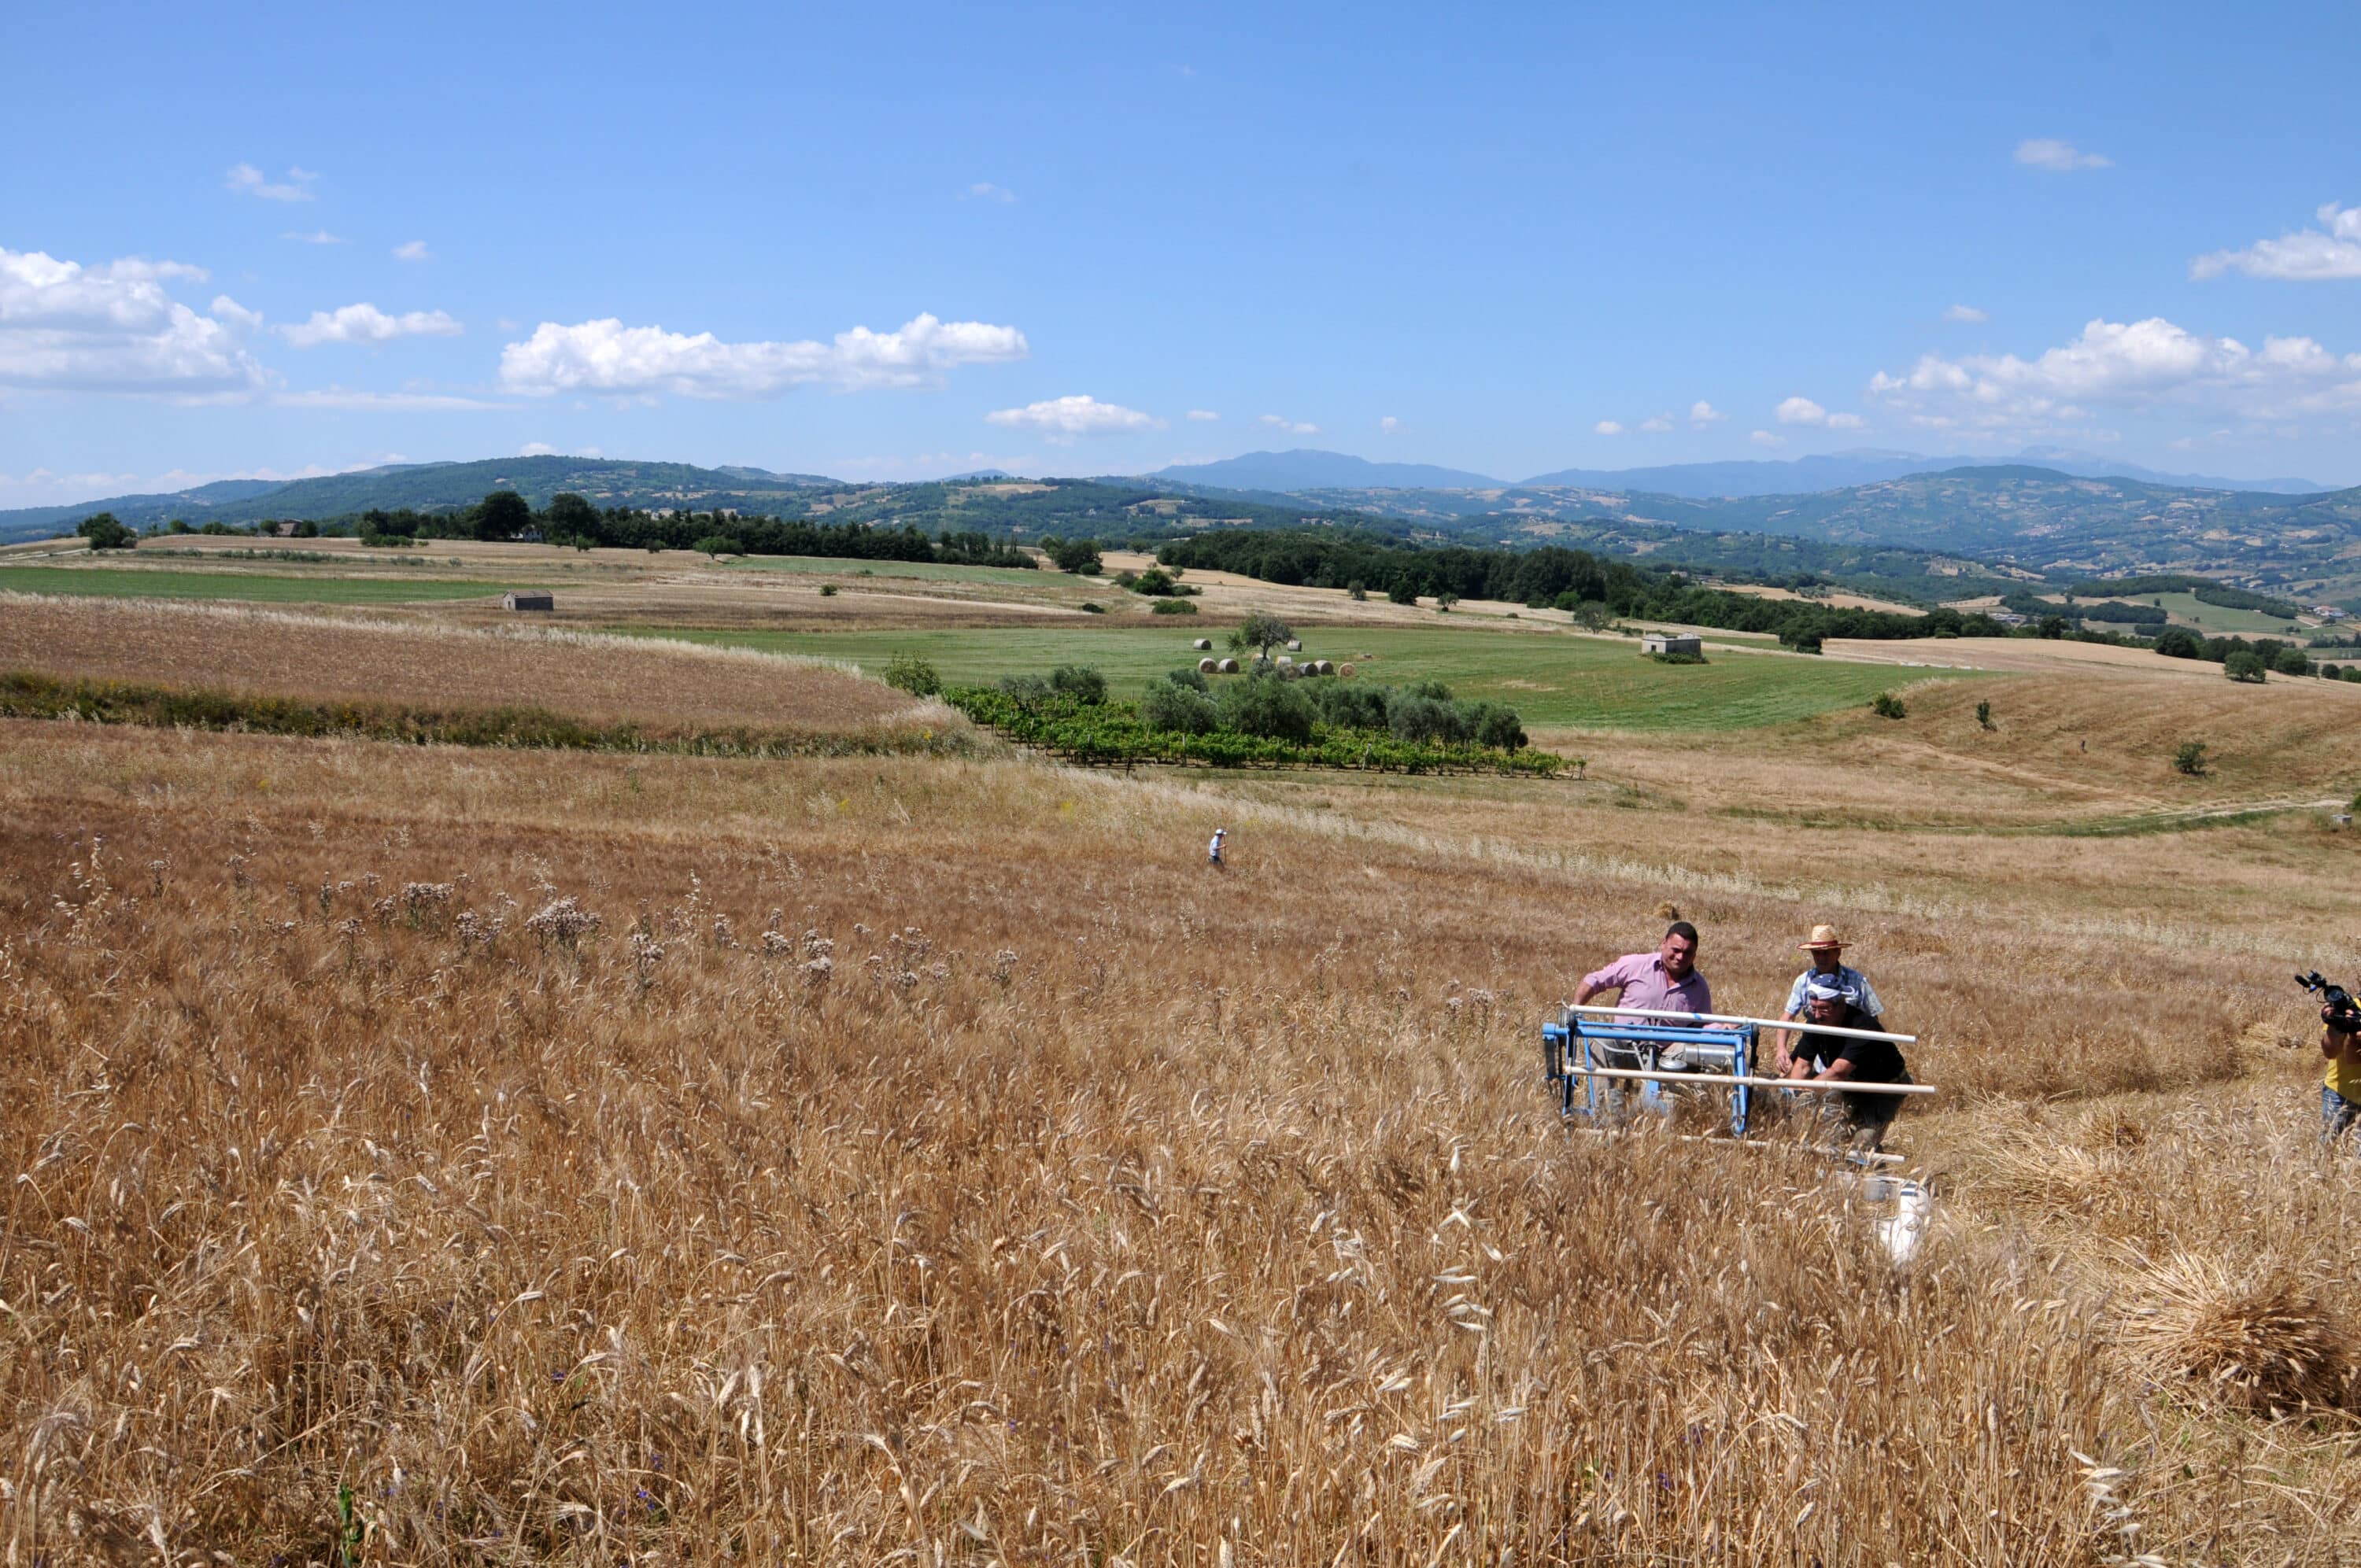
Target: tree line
[(1549, 577)]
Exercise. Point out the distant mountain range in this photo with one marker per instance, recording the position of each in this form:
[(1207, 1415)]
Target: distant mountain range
[(2024, 516), (1304, 470), (433, 487)]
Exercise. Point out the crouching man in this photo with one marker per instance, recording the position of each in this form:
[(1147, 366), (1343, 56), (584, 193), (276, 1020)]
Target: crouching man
[(1858, 1119)]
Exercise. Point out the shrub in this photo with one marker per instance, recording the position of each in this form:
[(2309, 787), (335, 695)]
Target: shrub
[(1174, 606), (1261, 633), (1677, 658), (1189, 676), (1178, 709), (1498, 726), (1402, 593), (1080, 682), (828, 590), (1358, 592), (719, 544), (1272, 708), (2190, 759), (1983, 716), (908, 672), (1088, 607), (105, 532), (1152, 584), (2245, 665), (1419, 718), (1887, 706), (2292, 661)]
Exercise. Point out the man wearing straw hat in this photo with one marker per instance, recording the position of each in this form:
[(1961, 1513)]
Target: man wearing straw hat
[(1827, 950)]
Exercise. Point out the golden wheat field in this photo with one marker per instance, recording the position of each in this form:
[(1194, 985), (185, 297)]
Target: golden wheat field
[(596, 678), (424, 1155)]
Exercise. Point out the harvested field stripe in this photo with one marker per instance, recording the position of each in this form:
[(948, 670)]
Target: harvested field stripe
[(27, 694), (117, 582)]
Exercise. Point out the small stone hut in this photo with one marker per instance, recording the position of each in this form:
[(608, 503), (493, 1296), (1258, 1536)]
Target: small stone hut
[(1670, 642), (528, 599)]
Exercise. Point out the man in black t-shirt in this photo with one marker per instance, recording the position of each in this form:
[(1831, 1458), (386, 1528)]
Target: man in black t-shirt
[(1837, 1058)]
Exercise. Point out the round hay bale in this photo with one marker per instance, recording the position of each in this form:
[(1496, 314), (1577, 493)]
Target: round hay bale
[(1229, 667), (1323, 667), (1285, 662), (1344, 671), (1202, 645), (1208, 666), (1295, 644)]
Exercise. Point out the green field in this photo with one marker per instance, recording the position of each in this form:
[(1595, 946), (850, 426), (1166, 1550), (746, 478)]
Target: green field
[(2211, 619), (1549, 678), (829, 566), (110, 582)]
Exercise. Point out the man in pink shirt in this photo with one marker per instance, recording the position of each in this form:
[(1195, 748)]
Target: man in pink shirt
[(1663, 980)]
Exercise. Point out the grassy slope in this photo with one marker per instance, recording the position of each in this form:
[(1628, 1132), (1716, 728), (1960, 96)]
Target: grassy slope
[(1549, 679), (107, 582)]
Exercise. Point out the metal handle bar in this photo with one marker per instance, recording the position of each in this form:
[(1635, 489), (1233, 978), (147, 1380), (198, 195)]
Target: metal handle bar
[(1799, 1025), (1833, 1085)]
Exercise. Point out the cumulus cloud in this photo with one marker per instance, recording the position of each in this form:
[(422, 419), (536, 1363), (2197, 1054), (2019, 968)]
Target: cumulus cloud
[(1703, 413), (1967, 314), (985, 191), (231, 313), (413, 250), (1203, 416), (1293, 427), (536, 449), (245, 180), (1061, 420), (2331, 251), (317, 237), (1764, 438), (2136, 364), (1608, 427), (1656, 424), (113, 328), (365, 323), (608, 357), (2058, 157), (1389, 425), (1803, 411)]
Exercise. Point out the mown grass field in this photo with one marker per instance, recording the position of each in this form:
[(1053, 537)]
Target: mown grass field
[(250, 586), (1550, 678), (2213, 619), (829, 566)]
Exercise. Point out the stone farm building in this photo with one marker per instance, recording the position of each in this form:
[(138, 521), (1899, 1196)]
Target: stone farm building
[(1670, 642), (527, 598)]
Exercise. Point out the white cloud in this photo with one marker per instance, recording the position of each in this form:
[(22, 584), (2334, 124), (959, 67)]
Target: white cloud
[(1703, 413), (1656, 424), (1966, 315), (2058, 157), (245, 180), (365, 323), (1061, 420), (1803, 411), (608, 357), (985, 191), (1764, 438), (2331, 251), (1608, 427), (43, 487), (2138, 365), (390, 402), (413, 250), (537, 449), (317, 237), (112, 328), (235, 315), (1389, 425), (1203, 416), (1293, 427)]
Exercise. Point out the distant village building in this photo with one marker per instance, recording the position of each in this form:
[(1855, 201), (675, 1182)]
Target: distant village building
[(1670, 642), (522, 598)]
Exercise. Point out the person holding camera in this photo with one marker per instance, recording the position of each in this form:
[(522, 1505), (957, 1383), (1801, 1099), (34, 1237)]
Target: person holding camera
[(2340, 1088)]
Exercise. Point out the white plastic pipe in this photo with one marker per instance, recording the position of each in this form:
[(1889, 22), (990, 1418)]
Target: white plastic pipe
[(1847, 1085), (1799, 1025)]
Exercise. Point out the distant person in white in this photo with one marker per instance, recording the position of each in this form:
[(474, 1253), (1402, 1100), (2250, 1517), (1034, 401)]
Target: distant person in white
[(1213, 850)]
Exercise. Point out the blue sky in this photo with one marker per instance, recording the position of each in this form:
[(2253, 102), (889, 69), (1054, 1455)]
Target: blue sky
[(893, 242)]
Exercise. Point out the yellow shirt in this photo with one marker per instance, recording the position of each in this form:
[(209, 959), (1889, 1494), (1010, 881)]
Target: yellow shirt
[(2343, 1073)]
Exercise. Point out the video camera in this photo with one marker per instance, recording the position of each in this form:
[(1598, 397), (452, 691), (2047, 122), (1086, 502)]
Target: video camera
[(2337, 1010)]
